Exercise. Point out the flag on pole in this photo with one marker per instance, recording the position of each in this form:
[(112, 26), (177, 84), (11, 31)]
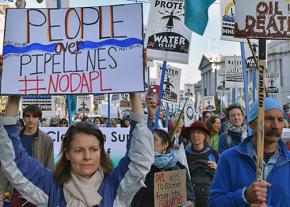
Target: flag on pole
[(196, 14)]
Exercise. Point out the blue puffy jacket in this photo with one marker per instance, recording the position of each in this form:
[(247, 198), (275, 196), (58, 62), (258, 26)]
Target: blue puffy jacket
[(36, 182), (236, 170)]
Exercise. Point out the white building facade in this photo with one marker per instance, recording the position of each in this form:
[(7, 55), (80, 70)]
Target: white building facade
[(279, 62)]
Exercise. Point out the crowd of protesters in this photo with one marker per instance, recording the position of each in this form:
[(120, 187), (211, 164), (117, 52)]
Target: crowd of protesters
[(219, 152), (217, 149)]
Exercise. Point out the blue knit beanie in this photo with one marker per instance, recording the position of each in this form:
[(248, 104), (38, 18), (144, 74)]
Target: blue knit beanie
[(270, 103)]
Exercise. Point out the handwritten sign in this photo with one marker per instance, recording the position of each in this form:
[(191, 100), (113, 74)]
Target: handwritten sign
[(73, 50), (262, 19), (167, 38), (170, 188)]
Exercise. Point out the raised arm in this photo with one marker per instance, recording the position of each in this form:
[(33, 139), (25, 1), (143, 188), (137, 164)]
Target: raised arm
[(131, 172), (26, 174), (152, 108), (136, 104)]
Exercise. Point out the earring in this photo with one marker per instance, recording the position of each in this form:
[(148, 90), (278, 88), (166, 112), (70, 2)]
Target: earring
[(164, 150)]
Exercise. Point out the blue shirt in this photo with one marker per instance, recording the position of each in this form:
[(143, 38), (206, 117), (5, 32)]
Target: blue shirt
[(268, 166), (237, 169), (27, 142)]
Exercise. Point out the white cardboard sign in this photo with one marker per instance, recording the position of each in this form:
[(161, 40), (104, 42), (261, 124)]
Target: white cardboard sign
[(234, 72), (115, 144), (262, 19), (73, 50), (167, 37), (171, 85), (273, 83)]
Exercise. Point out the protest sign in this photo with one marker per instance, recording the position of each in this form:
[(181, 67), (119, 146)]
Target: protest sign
[(43, 102), (199, 103), (262, 19), (189, 113), (227, 10), (115, 97), (234, 72), (242, 99), (171, 86), (103, 111), (124, 104), (221, 83), (273, 83), (100, 97), (85, 104), (208, 103), (188, 90), (170, 188), (115, 143), (167, 38), (73, 50)]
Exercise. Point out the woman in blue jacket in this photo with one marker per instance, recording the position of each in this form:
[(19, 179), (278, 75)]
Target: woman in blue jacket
[(84, 174)]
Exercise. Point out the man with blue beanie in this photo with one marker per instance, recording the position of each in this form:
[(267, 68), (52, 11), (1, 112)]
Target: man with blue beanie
[(234, 181)]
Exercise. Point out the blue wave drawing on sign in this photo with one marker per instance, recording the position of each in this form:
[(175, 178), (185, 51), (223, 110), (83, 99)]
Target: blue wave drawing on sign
[(10, 49)]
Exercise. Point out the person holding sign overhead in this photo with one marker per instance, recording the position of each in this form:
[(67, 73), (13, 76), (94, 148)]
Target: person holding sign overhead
[(84, 175)]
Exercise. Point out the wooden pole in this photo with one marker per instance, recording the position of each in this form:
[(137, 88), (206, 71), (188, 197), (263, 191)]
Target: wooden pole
[(261, 112), (256, 61), (171, 135)]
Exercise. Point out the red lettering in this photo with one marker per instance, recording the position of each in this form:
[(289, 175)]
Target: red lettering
[(79, 82), (84, 83), (159, 178), (66, 84), (76, 82), (51, 83)]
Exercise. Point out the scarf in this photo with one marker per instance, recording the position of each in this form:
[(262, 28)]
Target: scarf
[(165, 161), (241, 130), (83, 192)]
